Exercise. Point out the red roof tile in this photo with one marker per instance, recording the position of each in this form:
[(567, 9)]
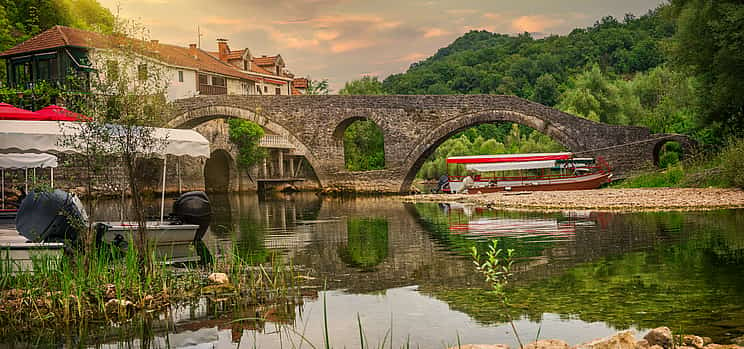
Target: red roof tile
[(296, 92), (299, 83), (265, 61), (57, 36), (257, 69)]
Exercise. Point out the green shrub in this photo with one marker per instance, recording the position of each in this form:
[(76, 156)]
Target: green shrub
[(246, 135), (732, 163)]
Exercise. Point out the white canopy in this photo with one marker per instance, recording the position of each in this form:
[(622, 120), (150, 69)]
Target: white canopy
[(47, 136), (504, 166), (28, 160)]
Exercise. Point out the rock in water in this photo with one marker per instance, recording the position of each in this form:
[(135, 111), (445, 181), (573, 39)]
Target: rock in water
[(661, 336), (620, 340), (547, 344), (218, 278), (693, 341)]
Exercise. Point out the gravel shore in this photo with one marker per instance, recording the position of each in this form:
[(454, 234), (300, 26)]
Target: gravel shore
[(641, 199)]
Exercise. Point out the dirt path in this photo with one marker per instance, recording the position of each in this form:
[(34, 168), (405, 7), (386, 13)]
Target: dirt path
[(642, 199)]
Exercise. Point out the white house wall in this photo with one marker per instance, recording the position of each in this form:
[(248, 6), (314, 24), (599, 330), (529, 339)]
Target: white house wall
[(179, 90)]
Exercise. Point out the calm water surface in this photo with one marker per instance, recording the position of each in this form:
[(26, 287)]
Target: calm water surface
[(403, 271)]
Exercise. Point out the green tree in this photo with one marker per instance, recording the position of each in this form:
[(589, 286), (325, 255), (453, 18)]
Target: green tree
[(367, 85), (546, 90), (317, 87), (246, 136), (708, 43), (364, 147)]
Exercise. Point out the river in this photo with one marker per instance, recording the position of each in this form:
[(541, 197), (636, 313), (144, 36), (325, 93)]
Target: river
[(403, 272)]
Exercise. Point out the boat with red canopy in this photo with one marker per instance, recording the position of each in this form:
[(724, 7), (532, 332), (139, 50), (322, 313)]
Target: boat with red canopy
[(524, 172)]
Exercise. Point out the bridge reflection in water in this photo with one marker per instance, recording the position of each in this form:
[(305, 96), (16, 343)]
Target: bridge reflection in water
[(579, 275)]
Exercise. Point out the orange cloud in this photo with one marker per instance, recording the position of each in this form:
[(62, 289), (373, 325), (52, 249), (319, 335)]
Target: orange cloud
[(434, 32), (217, 20), (537, 23), (493, 16), (327, 35), (350, 45)]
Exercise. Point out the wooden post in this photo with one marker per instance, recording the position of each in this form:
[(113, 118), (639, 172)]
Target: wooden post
[(281, 164)]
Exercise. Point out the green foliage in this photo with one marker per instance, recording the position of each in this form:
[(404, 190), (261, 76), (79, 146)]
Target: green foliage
[(367, 243), (502, 138), (708, 45), (22, 19), (732, 163), (496, 269), (367, 85), (483, 62), (317, 87), (247, 136), (364, 147)]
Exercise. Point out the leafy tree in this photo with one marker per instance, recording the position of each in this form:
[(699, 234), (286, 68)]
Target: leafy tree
[(247, 136), (364, 148), (317, 87), (367, 85), (546, 90), (708, 43)]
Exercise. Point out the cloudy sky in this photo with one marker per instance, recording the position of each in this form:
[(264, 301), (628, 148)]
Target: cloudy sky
[(341, 40)]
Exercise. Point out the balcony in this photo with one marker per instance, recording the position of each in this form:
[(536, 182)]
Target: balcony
[(275, 141), (212, 90)]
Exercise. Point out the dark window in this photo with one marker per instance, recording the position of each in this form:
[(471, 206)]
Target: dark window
[(266, 89), (112, 70), (22, 72), (219, 81), (180, 76), (42, 67), (142, 72), (203, 79), (278, 91), (53, 69)]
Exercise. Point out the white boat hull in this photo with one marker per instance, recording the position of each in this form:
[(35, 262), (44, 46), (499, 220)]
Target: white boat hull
[(157, 233)]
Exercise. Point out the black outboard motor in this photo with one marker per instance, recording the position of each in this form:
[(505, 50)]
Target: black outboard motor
[(47, 216), (443, 183), (194, 208)]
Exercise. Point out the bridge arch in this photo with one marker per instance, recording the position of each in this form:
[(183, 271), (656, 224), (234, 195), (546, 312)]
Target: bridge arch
[(218, 172), (436, 137), (339, 136), (195, 117)]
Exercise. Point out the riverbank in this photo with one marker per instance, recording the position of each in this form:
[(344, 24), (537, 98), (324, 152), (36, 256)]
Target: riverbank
[(611, 199)]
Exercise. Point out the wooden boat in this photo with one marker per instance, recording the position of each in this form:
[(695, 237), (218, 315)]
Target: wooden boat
[(525, 172)]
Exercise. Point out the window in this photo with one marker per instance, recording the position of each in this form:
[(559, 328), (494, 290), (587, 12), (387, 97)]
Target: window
[(22, 72), (219, 81), (142, 72), (266, 89), (180, 76), (112, 70), (203, 79), (42, 67), (278, 91)]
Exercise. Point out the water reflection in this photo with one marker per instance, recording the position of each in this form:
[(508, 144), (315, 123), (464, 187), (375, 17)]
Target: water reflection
[(580, 275)]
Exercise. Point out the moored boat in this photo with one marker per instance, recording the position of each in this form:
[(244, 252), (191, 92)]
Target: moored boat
[(525, 172)]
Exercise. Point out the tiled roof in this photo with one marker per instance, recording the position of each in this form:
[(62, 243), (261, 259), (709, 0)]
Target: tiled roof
[(60, 36), (296, 92), (57, 36), (265, 61), (299, 83), (257, 69)]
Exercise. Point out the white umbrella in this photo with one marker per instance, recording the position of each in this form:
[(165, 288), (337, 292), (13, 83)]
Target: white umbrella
[(52, 137), (25, 161)]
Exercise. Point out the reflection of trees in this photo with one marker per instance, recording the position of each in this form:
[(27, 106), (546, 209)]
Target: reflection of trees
[(690, 278), (367, 242)]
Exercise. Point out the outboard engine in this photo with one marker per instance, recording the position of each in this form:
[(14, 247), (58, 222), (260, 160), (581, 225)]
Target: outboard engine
[(48, 216), (194, 208)]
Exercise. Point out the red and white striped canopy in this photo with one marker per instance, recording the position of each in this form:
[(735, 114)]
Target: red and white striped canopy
[(481, 159)]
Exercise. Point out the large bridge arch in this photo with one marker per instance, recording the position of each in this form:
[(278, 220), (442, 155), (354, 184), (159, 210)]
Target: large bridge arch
[(412, 126), (198, 116), (436, 137)]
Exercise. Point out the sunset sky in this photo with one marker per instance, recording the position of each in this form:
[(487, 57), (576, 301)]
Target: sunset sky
[(341, 40)]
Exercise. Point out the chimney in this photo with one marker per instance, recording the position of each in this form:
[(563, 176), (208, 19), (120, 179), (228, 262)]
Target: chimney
[(223, 49), (192, 50)]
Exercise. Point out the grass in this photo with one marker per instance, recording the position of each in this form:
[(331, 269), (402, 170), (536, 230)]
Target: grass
[(722, 169), (72, 290)]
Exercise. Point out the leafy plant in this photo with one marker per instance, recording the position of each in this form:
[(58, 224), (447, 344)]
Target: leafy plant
[(495, 266), (247, 136)]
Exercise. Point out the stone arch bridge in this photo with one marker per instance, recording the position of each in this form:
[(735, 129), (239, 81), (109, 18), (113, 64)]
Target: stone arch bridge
[(412, 125)]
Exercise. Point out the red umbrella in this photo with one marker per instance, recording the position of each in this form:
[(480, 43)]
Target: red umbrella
[(57, 113), (9, 112)]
